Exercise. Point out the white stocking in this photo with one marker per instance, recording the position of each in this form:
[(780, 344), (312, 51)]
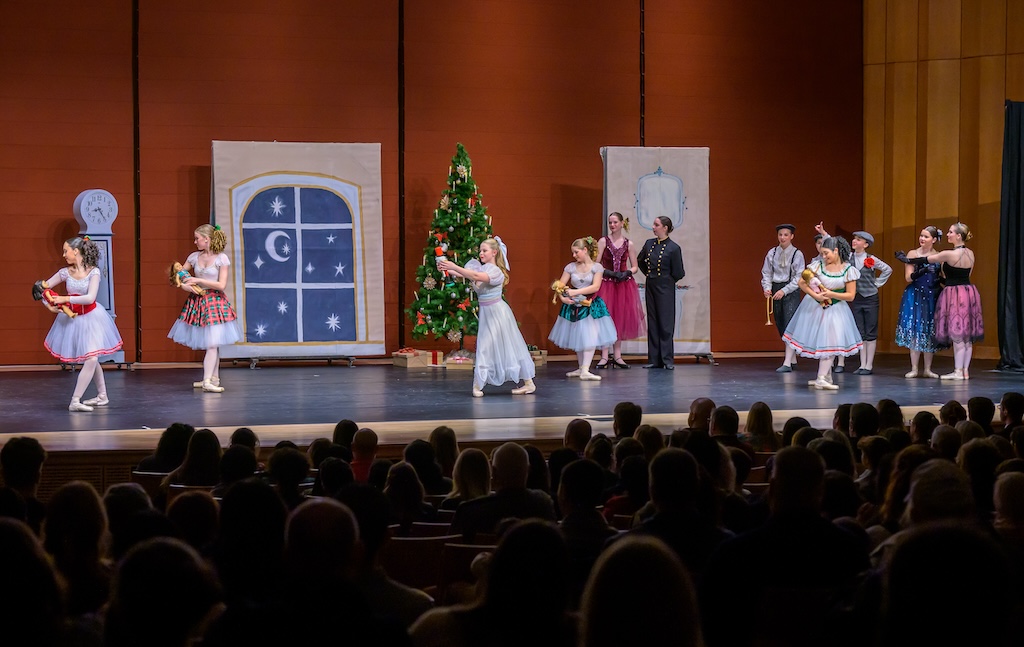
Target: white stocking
[(959, 350), (586, 357), (824, 367), (790, 356), (101, 382), (85, 376), (915, 357), (968, 353), (211, 363), (928, 357)]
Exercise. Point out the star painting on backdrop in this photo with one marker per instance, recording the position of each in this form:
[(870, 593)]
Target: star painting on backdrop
[(298, 277)]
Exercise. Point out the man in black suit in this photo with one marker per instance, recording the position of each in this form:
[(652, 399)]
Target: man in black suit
[(661, 261)]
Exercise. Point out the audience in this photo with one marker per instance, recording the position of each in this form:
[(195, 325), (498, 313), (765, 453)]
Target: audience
[(170, 449), (759, 430), (420, 455), (201, 465), (471, 478), (446, 448), (21, 464), (626, 417), (982, 411), (364, 452), (951, 413), (404, 493), (1011, 412), (75, 536), (651, 439), (584, 529), (577, 435)]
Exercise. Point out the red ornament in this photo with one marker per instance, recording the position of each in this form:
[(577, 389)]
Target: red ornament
[(419, 319), (869, 262), (464, 304)]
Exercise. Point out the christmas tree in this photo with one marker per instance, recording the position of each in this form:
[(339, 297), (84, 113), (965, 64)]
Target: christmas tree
[(446, 306)]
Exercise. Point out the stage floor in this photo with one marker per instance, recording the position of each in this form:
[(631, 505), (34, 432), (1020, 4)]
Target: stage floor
[(301, 403)]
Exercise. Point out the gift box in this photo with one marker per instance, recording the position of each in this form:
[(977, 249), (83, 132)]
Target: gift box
[(412, 358), (540, 357), (459, 363)]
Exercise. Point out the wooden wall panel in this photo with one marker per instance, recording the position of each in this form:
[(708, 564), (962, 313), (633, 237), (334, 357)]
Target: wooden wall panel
[(901, 86), (874, 31), (941, 137), (939, 29), (1015, 77), (984, 27), (874, 147), (901, 24), (1015, 27)]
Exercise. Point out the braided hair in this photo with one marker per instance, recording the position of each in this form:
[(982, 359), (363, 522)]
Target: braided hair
[(839, 245), (90, 250)]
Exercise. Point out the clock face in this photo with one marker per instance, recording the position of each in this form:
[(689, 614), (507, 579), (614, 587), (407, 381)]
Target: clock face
[(99, 207)]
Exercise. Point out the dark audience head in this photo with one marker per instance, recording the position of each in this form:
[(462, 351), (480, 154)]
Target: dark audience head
[(761, 427), (288, 468), (195, 515), (673, 479), (202, 459), (895, 502), (471, 478), (625, 448), (970, 561), (31, 599), (804, 436), (872, 449), (510, 467), (626, 418), (320, 539), (161, 594), (378, 474), (245, 437), (12, 505), (335, 474), (890, 414), (724, 421), (678, 437), (864, 420), (951, 413), (581, 486), (557, 462), (122, 501), (841, 419), (577, 435), (797, 481), (981, 410), (446, 448), (372, 512), (639, 563), (420, 454), (404, 490), (700, 414), (318, 450), (237, 463), (1013, 465), (344, 432), (21, 461), (841, 497), (741, 463), (711, 456), (539, 477), (1011, 409), (364, 444), (939, 490), (835, 455), (285, 444), (921, 427), (250, 544), (898, 438), (633, 477), (793, 425), (173, 444), (946, 441), (601, 451), (979, 459), (651, 438), (969, 430), (75, 528)]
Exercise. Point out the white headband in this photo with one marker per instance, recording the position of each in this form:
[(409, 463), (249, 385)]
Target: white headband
[(504, 251)]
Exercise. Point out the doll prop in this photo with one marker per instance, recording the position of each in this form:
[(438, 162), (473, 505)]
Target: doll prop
[(561, 289), (41, 291), (815, 284), (177, 276)]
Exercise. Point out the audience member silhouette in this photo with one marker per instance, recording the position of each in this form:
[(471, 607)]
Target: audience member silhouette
[(31, 598), (201, 466), (404, 493), (75, 535), (170, 449), (584, 528), (420, 454), (21, 462), (577, 434), (471, 478), (288, 469), (446, 448), (364, 451), (626, 417)]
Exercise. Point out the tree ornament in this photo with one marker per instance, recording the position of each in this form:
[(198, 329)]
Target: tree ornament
[(444, 203), (429, 282), (451, 228), (427, 317), (454, 336)]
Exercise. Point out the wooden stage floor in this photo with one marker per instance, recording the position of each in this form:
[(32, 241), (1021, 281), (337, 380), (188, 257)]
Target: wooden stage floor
[(303, 402)]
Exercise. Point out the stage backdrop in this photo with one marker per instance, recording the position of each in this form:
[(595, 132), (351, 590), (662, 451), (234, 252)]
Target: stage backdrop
[(303, 223), (643, 183)]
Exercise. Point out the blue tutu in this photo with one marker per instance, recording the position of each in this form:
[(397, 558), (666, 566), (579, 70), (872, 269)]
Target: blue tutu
[(580, 328)]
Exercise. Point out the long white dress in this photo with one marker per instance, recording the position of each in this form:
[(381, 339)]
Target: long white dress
[(92, 332), (818, 332), (501, 352)]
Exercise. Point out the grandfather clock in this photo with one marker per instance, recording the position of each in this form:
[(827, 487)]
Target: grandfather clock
[(95, 211)]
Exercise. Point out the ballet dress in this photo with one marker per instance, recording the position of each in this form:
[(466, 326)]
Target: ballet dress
[(958, 309), (622, 298), (207, 320), (818, 332), (501, 352), (915, 324), (579, 327), (91, 333)]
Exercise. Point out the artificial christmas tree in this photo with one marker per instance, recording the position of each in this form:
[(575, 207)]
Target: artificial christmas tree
[(442, 305)]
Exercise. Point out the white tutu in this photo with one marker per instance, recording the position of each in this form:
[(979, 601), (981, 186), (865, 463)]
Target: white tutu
[(75, 339), (594, 330), (203, 337), (818, 332)]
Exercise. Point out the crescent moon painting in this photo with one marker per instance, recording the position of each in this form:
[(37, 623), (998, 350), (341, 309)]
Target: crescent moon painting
[(272, 247)]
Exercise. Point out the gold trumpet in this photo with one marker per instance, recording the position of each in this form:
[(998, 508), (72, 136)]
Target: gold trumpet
[(769, 310)]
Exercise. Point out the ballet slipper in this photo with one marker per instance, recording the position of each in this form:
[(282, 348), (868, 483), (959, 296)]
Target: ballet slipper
[(77, 405), (527, 388), (210, 387), (99, 401)]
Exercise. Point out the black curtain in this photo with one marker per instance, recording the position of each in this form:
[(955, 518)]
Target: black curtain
[(1011, 241)]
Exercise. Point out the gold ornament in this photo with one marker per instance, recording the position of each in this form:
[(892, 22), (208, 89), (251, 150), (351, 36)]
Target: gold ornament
[(454, 336), (429, 283), (444, 203), (462, 170)]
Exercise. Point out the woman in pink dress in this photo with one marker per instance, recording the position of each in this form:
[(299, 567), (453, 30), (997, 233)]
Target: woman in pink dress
[(617, 254)]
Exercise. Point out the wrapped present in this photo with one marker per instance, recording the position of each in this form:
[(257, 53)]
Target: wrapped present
[(459, 363), (540, 357), (414, 358)]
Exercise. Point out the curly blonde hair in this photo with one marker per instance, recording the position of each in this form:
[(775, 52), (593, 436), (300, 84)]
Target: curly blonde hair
[(588, 244), (218, 241)]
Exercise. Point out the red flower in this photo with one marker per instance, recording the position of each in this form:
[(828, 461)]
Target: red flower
[(869, 262)]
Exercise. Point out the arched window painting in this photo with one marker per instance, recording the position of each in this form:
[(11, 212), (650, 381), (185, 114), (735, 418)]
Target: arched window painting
[(300, 265), (659, 194)]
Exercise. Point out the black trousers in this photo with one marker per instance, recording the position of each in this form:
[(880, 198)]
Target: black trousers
[(865, 313), (785, 307), (660, 298)]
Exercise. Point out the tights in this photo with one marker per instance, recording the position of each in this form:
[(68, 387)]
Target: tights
[(962, 352), (91, 372), (211, 363), (915, 356), (585, 357)]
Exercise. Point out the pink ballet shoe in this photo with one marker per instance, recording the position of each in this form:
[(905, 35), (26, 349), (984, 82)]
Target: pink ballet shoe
[(957, 375), (527, 388)]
